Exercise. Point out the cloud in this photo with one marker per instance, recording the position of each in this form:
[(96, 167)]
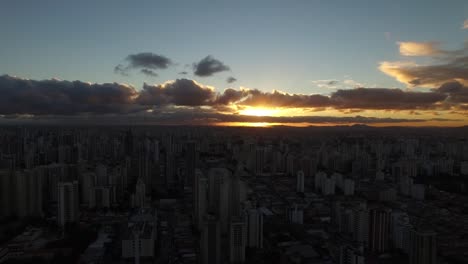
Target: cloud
[(352, 83), (338, 84), (446, 65), (57, 97), (357, 98), (147, 62), (120, 69), (419, 48), (209, 66), (231, 79), (230, 96), (434, 75), (183, 72), (148, 72), (465, 24), (285, 100), (326, 83), (182, 92), (385, 99), (456, 92)]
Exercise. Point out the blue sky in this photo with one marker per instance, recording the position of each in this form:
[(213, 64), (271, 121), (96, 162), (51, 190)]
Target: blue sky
[(268, 45)]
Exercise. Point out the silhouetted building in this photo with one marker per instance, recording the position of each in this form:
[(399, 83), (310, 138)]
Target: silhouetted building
[(68, 203), (422, 247)]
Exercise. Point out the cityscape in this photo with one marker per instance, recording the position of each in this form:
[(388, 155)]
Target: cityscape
[(233, 132), (351, 194)]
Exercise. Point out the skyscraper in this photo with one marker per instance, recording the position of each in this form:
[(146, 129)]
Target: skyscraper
[(190, 159), (219, 195), (6, 192), (254, 221), (360, 224), (422, 247), (28, 193), (300, 181), (259, 159), (140, 193), (210, 244), (379, 229), (237, 241), (68, 203), (200, 200)]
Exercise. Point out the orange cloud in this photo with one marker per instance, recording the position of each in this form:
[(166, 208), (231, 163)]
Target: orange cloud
[(430, 76), (419, 48)]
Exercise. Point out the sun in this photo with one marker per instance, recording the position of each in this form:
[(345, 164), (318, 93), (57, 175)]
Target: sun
[(259, 111)]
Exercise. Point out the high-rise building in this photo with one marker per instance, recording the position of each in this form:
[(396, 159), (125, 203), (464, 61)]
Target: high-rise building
[(350, 254), (348, 187), (237, 241), (422, 247), (400, 229), (235, 194), (68, 203), (6, 192), (319, 179), (379, 229), (101, 175), (219, 195), (300, 181), (259, 159), (296, 214), (360, 224), (210, 244), (200, 198), (86, 186), (101, 197), (28, 193), (254, 219), (140, 236), (190, 161), (140, 193)]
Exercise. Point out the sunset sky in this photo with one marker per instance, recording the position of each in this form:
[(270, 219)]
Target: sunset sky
[(255, 63)]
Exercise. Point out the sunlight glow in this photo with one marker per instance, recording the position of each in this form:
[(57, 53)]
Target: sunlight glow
[(259, 111)]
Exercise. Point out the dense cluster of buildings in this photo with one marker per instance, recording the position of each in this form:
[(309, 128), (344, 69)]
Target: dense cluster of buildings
[(232, 195)]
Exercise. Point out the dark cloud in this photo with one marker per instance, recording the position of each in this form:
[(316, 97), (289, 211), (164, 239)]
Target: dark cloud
[(182, 92), (230, 96), (209, 66), (358, 98), (57, 97), (231, 79), (120, 69), (23, 96), (456, 92), (384, 98), (148, 72), (147, 62)]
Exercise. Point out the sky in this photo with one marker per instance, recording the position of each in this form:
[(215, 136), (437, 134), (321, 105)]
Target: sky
[(228, 62)]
